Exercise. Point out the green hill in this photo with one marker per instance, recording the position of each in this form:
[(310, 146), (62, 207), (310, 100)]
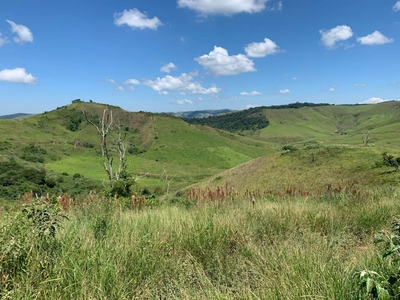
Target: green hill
[(342, 124), (63, 145), (62, 142)]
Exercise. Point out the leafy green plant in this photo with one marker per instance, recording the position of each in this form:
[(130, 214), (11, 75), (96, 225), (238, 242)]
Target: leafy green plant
[(375, 285), (44, 217), (385, 286), (29, 234)]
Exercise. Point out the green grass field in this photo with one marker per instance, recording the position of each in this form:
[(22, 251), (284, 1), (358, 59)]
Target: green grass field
[(282, 248)]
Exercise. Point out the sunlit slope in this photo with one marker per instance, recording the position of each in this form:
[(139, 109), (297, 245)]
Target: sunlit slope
[(333, 124), (309, 170)]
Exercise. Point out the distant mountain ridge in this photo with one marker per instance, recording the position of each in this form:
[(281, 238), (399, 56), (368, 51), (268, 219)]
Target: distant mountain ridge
[(15, 116), (200, 113)]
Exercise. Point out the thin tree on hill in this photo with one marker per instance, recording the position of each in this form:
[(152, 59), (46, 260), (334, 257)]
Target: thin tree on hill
[(105, 126)]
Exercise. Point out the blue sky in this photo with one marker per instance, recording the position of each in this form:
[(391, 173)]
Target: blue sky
[(177, 55)]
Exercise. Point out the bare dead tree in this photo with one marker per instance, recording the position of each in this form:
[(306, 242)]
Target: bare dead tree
[(121, 148), (106, 125), (366, 138), (164, 176)]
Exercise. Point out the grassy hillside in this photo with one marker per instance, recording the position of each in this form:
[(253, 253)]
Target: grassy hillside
[(309, 171), (333, 124), (156, 144)]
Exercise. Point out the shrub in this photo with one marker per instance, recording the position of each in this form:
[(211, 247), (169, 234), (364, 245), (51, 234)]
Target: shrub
[(391, 161), (289, 148)]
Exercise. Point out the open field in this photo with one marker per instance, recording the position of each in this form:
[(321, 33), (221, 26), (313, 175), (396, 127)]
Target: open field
[(282, 248)]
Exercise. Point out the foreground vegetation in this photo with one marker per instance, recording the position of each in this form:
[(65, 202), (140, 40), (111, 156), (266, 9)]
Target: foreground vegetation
[(287, 211), (280, 247)]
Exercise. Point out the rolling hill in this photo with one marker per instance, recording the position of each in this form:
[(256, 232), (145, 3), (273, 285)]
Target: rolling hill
[(62, 143), (157, 144)]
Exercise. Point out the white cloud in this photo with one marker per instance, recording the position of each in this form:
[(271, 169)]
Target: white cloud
[(168, 67), (262, 49), (3, 40), (276, 7), (130, 89), (110, 80), (182, 39), (360, 84), (218, 62), (294, 78), (375, 38), (184, 101), (119, 88), (250, 106), (253, 93), (24, 34), (17, 75), (223, 7), (330, 37), (374, 100), (132, 81), (183, 83), (396, 6), (135, 19), (333, 88), (284, 91)]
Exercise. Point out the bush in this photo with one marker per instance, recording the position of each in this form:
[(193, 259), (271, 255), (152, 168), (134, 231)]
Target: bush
[(391, 161), (30, 233), (289, 148)]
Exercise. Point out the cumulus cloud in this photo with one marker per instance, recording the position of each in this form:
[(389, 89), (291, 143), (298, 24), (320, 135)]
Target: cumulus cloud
[(360, 84), (110, 80), (262, 49), (168, 67), (136, 19), (132, 81), (253, 93), (330, 37), (184, 101), (375, 38), (183, 83), (218, 62), (284, 91), (374, 100), (3, 40), (396, 6), (17, 75), (225, 7), (119, 88), (24, 34), (250, 106)]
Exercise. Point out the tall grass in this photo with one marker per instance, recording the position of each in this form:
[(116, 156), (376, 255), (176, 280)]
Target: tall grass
[(281, 248)]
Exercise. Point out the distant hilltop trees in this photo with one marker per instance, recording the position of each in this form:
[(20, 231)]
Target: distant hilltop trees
[(245, 120)]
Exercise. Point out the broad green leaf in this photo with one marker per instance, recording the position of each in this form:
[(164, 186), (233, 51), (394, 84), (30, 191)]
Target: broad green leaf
[(370, 285)]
